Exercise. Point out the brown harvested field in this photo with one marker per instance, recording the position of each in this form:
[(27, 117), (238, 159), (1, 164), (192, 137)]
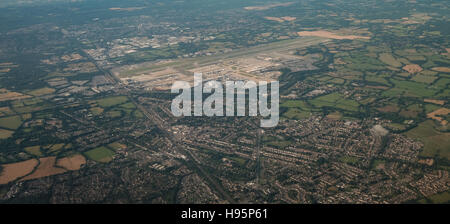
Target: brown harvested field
[(82, 67), (6, 110), (289, 18), (435, 115), (265, 7), (14, 171), (327, 34), (46, 168), (413, 68), (8, 65), (441, 69), (438, 102), (389, 109), (377, 87), (71, 57), (5, 63), (127, 9), (281, 19), (4, 134), (409, 113), (274, 19), (8, 95), (117, 146), (72, 162), (335, 116), (96, 110)]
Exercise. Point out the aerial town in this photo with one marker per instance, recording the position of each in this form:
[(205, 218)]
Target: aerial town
[(85, 104)]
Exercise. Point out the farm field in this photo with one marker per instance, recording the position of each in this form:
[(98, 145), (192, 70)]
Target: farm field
[(101, 154), (435, 143), (34, 150), (12, 122), (41, 92), (14, 171), (112, 101), (46, 168), (440, 198), (4, 134), (72, 163)]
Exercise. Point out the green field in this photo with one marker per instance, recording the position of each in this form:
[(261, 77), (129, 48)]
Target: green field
[(413, 88), (129, 105), (442, 83), (431, 107), (326, 100), (396, 126), (377, 79), (424, 78), (294, 113), (96, 110), (362, 62), (440, 198), (294, 103), (335, 100), (100, 154), (12, 122), (238, 160), (138, 114), (389, 60), (416, 58), (337, 81), (114, 113), (279, 144), (112, 101), (347, 104), (54, 147), (377, 163), (34, 150), (435, 143), (42, 91)]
